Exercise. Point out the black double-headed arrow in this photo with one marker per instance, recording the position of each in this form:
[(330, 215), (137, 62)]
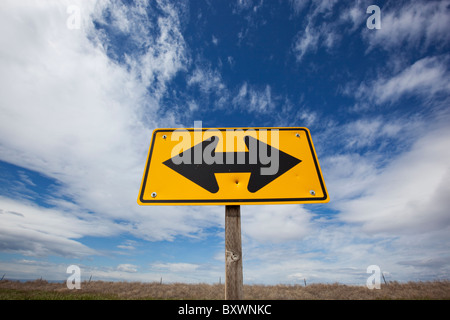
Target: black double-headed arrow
[(202, 173)]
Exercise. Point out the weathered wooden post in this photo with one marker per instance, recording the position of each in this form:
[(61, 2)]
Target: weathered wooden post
[(233, 253)]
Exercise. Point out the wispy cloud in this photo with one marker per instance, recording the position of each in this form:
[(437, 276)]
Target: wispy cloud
[(128, 245), (388, 180), (251, 99), (316, 33), (37, 231), (425, 77), (207, 80), (185, 271), (354, 16), (127, 267), (175, 267), (298, 5), (407, 195), (306, 41), (275, 224), (154, 49), (411, 24)]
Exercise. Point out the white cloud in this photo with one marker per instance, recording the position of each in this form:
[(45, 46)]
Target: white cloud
[(244, 3), (165, 57), (176, 267), (347, 176), (306, 41), (35, 231), (426, 77), (408, 30), (33, 269), (315, 34), (185, 272), (23, 176), (391, 200), (379, 131), (298, 5), (334, 251), (330, 252), (323, 6), (356, 15), (80, 118), (207, 80), (158, 55), (126, 267), (307, 117), (276, 223), (414, 24), (408, 196), (251, 99), (128, 245), (214, 40)]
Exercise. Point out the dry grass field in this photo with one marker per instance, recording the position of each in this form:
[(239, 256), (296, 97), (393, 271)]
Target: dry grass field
[(101, 290)]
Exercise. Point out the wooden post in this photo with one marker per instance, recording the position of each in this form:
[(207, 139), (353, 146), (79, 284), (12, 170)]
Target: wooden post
[(233, 253)]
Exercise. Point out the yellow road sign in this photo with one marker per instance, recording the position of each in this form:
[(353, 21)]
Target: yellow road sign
[(232, 166)]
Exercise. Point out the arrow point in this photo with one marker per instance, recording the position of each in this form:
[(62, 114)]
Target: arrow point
[(200, 174), (285, 163)]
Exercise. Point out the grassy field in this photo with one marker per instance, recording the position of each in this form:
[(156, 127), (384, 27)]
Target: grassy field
[(101, 290)]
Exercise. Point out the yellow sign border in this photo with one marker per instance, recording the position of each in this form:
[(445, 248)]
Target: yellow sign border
[(324, 199)]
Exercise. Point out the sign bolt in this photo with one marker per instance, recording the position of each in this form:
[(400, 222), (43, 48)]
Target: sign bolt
[(164, 137), (153, 194), (297, 135), (313, 193)]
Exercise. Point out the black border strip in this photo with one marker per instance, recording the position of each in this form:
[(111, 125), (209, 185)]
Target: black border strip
[(243, 201)]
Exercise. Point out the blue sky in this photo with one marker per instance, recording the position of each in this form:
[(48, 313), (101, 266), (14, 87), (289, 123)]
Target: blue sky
[(84, 84)]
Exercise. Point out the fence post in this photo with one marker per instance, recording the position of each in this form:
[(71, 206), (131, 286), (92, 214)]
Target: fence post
[(233, 253)]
